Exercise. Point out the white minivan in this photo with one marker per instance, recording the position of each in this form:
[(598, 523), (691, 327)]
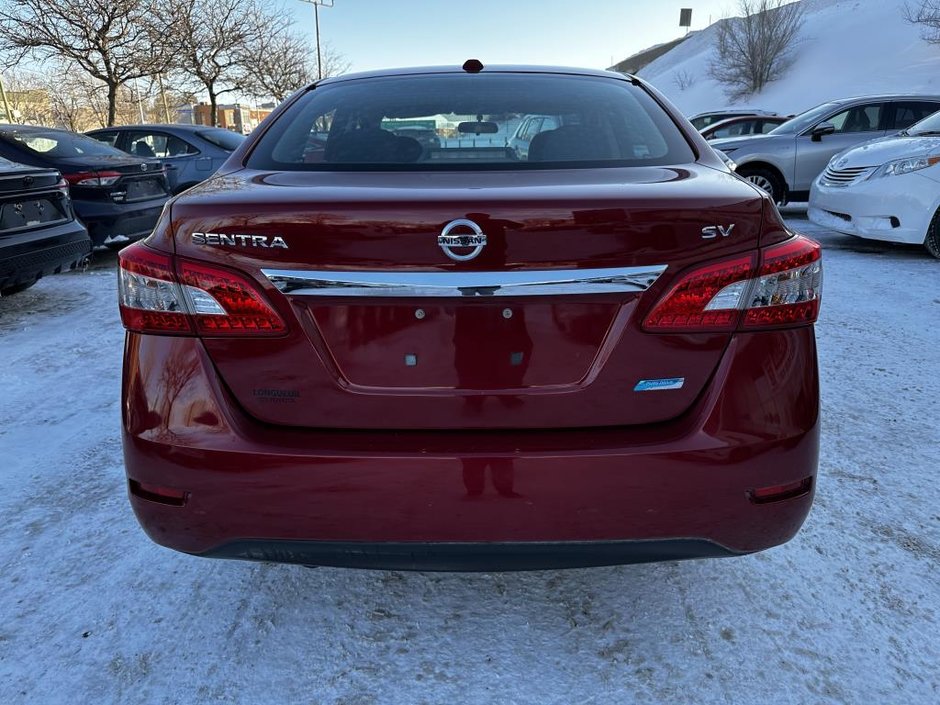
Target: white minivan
[(887, 189)]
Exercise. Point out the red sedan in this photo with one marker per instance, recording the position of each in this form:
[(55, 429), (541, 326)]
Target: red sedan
[(354, 348)]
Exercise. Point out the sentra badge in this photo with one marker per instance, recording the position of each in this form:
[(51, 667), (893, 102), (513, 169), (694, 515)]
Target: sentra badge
[(223, 239)]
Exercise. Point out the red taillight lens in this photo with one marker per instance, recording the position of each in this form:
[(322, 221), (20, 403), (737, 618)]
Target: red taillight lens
[(93, 178), (226, 303), (784, 291), (689, 305), (193, 298)]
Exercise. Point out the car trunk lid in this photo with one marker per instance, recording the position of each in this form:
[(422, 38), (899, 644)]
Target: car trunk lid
[(540, 330)]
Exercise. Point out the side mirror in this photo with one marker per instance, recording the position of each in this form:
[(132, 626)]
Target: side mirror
[(823, 128)]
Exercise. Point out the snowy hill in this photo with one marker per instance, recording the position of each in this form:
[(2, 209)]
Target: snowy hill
[(846, 48)]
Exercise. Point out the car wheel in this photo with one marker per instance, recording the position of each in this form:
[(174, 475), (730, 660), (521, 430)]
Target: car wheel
[(10, 290), (932, 241), (765, 180)]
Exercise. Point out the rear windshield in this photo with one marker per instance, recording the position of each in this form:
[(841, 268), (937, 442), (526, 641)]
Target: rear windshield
[(56, 143), (226, 139), (472, 121)]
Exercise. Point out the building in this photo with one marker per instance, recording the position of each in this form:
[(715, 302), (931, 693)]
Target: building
[(237, 117)]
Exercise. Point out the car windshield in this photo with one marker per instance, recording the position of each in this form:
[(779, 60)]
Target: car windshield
[(804, 120), (928, 126), (226, 139), (58, 143), (482, 121)]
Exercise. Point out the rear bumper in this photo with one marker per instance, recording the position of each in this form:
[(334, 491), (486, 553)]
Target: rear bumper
[(456, 500), (28, 256), (529, 555), (115, 224)]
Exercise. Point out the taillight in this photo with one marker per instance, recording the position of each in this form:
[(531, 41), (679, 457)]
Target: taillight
[(225, 303), (93, 178), (782, 290), (159, 296)]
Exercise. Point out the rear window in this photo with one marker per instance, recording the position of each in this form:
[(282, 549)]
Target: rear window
[(55, 143), (479, 121), (226, 139)]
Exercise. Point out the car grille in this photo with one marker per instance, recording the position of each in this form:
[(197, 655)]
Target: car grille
[(845, 177)]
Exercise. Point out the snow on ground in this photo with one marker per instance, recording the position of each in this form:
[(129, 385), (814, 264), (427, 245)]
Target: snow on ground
[(846, 48), (92, 612)]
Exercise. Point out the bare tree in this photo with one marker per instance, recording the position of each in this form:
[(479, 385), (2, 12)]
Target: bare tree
[(925, 13), (683, 80), (113, 41), (757, 47), (334, 63), (283, 62), (213, 40)]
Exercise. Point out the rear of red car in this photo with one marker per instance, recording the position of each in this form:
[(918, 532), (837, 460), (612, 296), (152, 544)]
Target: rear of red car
[(355, 348)]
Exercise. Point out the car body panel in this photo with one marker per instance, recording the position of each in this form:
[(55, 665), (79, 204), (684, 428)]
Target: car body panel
[(756, 424)]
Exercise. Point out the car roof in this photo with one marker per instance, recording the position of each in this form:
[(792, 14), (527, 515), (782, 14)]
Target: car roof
[(33, 128), (499, 68), (884, 96), (158, 126), (743, 112)]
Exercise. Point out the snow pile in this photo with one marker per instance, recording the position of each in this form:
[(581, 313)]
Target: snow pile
[(846, 48)]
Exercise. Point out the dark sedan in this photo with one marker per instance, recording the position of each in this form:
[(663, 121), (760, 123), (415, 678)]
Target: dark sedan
[(39, 235), (118, 197), (191, 153)]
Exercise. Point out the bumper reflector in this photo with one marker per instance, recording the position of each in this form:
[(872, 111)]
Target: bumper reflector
[(778, 493), (155, 493)]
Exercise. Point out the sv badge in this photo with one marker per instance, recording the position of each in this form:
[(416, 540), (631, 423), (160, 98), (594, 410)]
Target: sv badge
[(713, 231)]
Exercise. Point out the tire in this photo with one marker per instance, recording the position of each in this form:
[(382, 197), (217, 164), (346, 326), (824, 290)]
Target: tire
[(767, 181), (16, 289), (932, 241)]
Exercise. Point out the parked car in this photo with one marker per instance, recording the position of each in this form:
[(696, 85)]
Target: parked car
[(703, 120), (191, 153), (118, 197), (785, 161), (39, 234), (530, 126), (463, 360), (742, 126), (887, 189)]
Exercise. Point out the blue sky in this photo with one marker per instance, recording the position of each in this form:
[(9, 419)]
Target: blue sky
[(385, 33)]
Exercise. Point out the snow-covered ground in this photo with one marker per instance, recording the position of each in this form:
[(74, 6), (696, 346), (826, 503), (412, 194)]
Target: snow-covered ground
[(848, 612), (845, 48)]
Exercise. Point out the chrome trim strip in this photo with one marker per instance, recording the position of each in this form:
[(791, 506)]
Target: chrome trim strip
[(543, 282)]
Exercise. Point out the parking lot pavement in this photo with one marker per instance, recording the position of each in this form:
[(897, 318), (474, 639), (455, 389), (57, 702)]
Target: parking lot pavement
[(92, 612)]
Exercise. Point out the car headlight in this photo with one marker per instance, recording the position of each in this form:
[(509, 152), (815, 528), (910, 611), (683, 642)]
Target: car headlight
[(907, 165)]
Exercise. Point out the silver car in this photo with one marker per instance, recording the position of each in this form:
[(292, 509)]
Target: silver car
[(785, 161)]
